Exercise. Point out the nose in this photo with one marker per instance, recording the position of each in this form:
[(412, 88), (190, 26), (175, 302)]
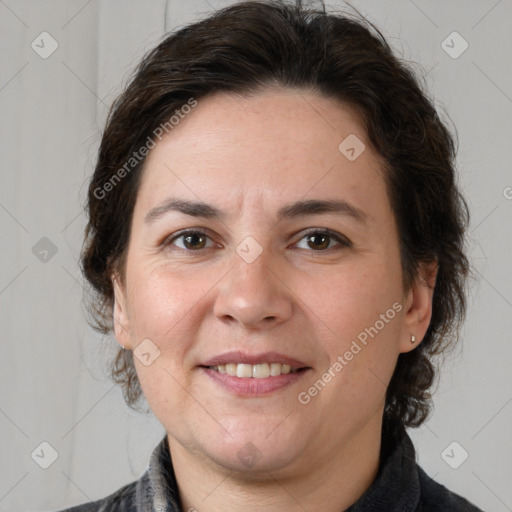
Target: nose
[(254, 295)]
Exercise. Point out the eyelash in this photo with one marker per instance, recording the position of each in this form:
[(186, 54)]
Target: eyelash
[(343, 242)]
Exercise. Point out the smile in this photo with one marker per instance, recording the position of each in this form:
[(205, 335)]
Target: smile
[(254, 371)]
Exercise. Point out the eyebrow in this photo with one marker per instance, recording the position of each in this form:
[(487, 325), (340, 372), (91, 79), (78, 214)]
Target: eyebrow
[(297, 209)]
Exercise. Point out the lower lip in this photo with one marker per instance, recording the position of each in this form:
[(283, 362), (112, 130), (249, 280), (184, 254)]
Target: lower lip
[(254, 387)]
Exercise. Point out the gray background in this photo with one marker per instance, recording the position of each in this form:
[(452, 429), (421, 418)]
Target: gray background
[(53, 366)]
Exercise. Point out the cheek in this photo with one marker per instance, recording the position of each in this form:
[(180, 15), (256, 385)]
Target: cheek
[(362, 310), (164, 309), (354, 298), (168, 308), (161, 300)]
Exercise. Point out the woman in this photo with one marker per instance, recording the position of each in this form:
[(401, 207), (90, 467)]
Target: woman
[(276, 239)]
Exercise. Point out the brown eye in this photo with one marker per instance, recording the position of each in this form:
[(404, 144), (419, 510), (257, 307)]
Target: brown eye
[(191, 241), (321, 240), (318, 241), (194, 241)]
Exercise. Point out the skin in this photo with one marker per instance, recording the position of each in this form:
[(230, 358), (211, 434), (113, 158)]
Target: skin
[(250, 156)]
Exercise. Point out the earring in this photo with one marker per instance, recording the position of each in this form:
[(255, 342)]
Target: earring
[(413, 339)]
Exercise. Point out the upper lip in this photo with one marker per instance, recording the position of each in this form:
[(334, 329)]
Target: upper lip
[(237, 356)]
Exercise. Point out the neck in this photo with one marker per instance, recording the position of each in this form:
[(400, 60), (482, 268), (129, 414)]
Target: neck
[(331, 482)]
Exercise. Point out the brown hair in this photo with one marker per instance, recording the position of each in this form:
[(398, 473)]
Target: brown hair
[(241, 50)]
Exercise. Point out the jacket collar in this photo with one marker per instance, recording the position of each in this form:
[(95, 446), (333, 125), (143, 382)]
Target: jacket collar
[(396, 487), (157, 489)]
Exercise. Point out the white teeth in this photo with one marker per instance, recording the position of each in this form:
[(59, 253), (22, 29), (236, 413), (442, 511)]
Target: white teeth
[(256, 371), (244, 370), (275, 369), (230, 369), (261, 371)]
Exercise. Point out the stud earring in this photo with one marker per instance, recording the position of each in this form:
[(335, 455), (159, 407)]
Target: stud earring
[(413, 339)]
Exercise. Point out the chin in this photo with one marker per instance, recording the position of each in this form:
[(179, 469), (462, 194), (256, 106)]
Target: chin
[(251, 463), (255, 451)]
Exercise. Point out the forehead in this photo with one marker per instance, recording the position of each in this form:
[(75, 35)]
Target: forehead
[(261, 149)]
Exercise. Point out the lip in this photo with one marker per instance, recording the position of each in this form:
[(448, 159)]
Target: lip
[(251, 386), (239, 357)]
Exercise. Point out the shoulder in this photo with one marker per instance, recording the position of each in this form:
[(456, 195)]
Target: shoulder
[(122, 500), (435, 497)]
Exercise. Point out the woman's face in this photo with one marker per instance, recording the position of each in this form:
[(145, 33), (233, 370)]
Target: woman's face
[(256, 288)]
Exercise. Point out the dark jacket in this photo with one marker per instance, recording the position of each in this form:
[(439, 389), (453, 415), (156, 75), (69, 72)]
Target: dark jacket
[(400, 486)]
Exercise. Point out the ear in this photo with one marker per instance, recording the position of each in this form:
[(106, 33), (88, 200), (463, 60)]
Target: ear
[(120, 314), (418, 307)]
